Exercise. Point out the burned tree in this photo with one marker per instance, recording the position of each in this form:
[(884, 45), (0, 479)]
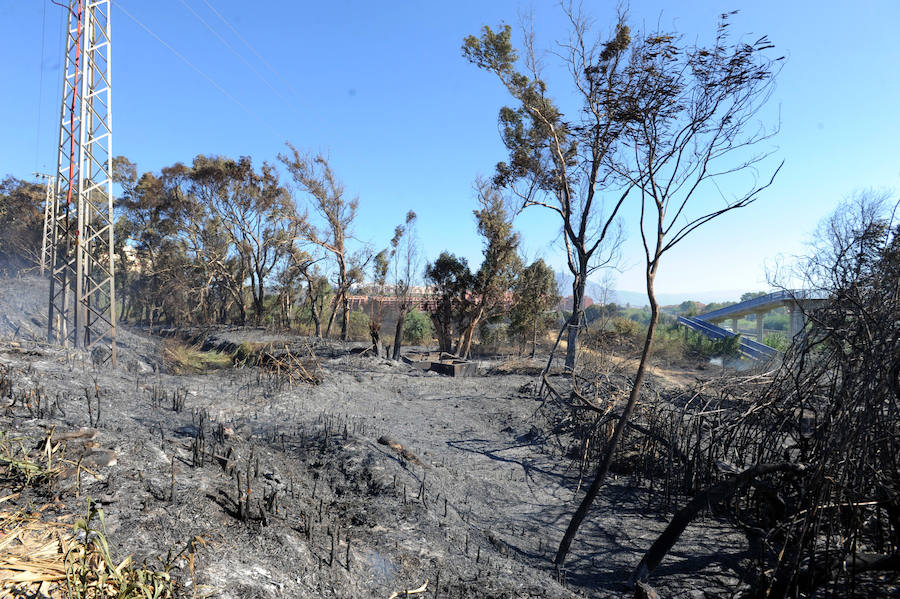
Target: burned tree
[(314, 176), (688, 126), (404, 265), (836, 407), (559, 163), (811, 456)]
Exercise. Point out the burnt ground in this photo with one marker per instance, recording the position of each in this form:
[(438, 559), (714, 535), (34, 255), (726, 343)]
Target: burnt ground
[(475, 502)]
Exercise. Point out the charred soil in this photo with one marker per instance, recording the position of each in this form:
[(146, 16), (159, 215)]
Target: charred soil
[(375, 478)]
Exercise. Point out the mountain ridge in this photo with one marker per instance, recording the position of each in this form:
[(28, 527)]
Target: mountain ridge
[(597, 292)]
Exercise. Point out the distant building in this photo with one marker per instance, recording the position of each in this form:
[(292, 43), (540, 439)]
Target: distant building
[(568, 302)]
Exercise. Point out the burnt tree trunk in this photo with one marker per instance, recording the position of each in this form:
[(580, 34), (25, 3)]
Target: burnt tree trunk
[(606, 460), (398, 332), (711, 496)]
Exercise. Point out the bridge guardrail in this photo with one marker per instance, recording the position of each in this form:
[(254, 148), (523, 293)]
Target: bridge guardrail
[(750, 348), (763, 300)]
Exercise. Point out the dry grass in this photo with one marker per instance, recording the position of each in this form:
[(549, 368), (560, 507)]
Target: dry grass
[(31, 468), (54, 559), (32, 554), (183, 359)]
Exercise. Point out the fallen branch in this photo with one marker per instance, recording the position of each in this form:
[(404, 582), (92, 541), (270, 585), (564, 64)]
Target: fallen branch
[(827, 567), (713, 495), (659, 439), (417, 591), (399, 448)]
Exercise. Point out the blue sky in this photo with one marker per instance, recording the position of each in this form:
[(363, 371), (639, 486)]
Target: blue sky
[(382, 89)]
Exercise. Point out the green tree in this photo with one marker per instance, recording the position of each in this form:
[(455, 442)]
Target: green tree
[(560, 163), (688, 308), (497, 273), (751, 295), (535, 295), (451, 279), (161, 274), (417, 327), (336, 212), (21, 224), (255, 214)]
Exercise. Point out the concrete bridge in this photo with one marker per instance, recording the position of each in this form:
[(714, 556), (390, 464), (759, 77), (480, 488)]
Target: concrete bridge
[(796, 302)]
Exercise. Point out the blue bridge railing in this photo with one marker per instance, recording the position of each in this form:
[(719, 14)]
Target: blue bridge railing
[(749, 348)]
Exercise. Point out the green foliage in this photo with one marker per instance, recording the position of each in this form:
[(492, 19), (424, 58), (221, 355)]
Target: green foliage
[(202, 239), (534, 295), (497, 273), (91, 571), (729, 347), (417, 327), (493, 332), (452, 280), (600, 311), (688, 308), (668, 342), (625, 327), (358, 329), (777, 340), (21, 221), (701, 345), (710, 307), (381, 263), (777, 322), (752, 295)]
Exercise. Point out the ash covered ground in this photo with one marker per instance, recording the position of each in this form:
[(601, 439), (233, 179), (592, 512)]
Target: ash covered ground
[(374, 481)]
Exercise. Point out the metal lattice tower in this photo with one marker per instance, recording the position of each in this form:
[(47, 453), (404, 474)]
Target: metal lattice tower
[(49, 210), (81, 223)]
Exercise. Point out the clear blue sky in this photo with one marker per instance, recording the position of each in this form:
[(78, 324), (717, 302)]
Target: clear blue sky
[(381, 87)]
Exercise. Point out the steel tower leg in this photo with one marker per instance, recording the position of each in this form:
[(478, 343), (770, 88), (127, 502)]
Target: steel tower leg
[(84, 241)]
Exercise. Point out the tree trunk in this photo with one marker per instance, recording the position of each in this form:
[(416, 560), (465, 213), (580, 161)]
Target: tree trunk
[(398, 333), (711, 496), (377, 345), (345, 316), (313, 308), (317, 318), (534, 336), (443, 333), (260, 299), (575, 320), (334, 306), (466, 339), (603, 466)]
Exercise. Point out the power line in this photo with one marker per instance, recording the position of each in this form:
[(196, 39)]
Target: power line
[(212, 81), (37, 141), (236, 53), (252, 49)]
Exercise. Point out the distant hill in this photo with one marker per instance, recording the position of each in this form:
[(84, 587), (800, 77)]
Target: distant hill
[(638, 298)]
